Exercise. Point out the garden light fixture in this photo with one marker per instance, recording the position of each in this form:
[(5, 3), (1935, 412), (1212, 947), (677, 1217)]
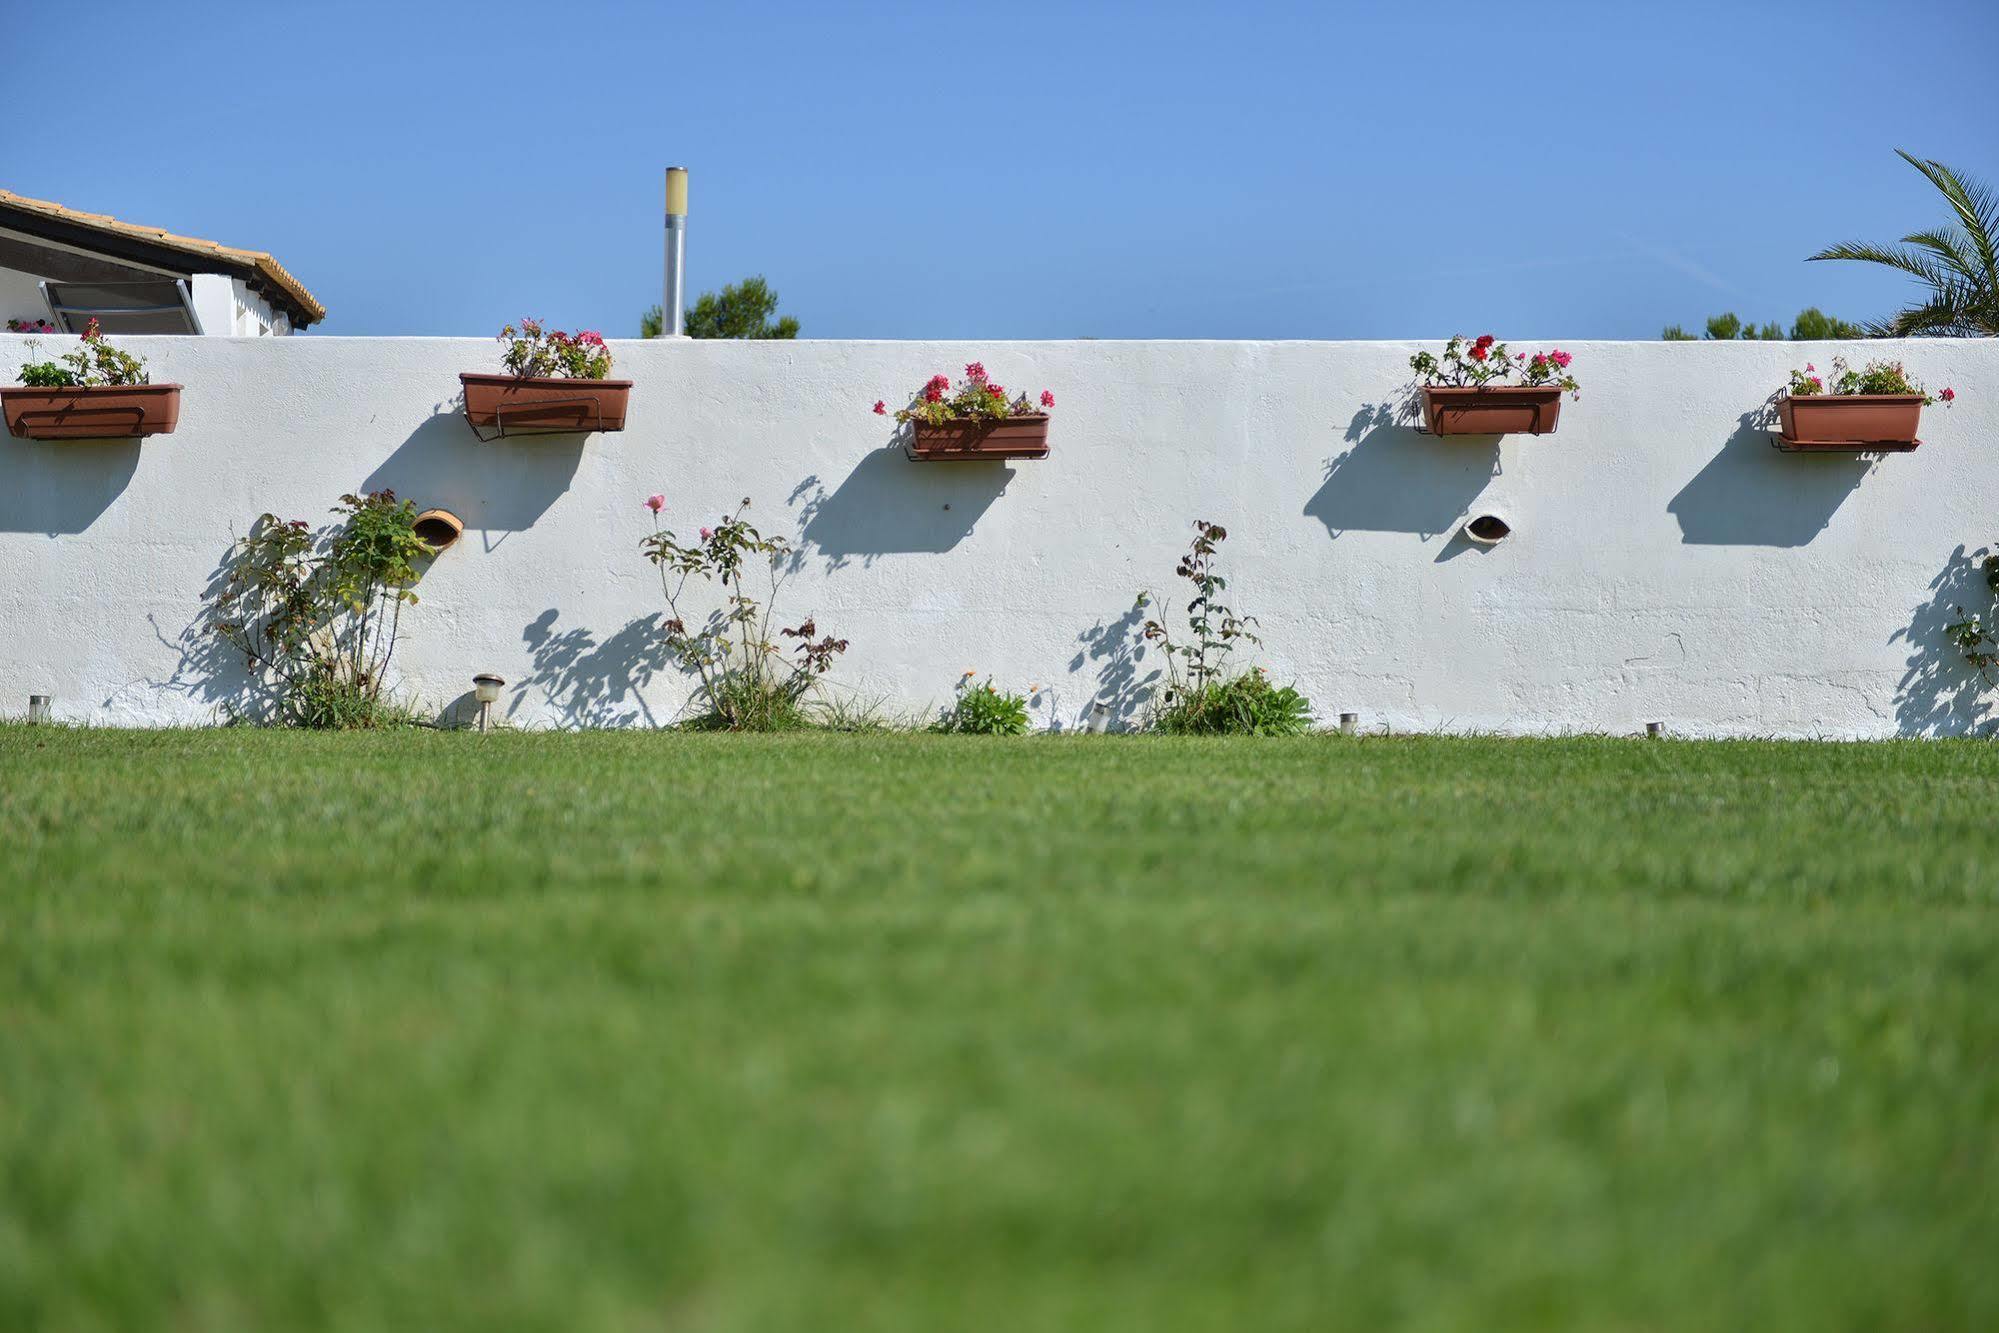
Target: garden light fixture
[(38, 708), (486, 689)]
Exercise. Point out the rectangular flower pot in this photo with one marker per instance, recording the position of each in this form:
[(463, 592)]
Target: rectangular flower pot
[(1866, 421), (102, 412), (509, 405), (1494, 410), (969, 439)]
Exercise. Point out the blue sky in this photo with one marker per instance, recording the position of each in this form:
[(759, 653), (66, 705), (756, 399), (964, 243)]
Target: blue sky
[(1164, 170)]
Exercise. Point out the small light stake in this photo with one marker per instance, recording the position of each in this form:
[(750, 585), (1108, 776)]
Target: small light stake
[(1654, 730), (1099, 720), (1349, 723), (486, 689), (38, 708)]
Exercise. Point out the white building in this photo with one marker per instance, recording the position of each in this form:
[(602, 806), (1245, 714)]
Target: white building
[(66, 266)]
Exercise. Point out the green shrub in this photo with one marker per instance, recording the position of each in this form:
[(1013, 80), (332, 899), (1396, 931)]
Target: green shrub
[(316, 615), (1245, 705), (983, 710), (747, 683)]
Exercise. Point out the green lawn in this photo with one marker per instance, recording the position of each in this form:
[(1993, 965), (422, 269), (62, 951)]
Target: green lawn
[(657, 1031)]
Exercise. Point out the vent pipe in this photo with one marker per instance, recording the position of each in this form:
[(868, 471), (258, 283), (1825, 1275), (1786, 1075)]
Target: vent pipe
[(673, 306)]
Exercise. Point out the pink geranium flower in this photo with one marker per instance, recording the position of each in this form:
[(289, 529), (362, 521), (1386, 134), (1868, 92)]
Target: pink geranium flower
[(1948, 395), (655, 503), (881, 408), (1047, 398), (975, 370)]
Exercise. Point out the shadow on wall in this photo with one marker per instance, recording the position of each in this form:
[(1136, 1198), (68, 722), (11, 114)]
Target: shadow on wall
[(1395, 478), (1117, 653), (590, 682), (208, 669), (890, 505), (1941, 694), (60, 487), (499, 487), (1754, 494)]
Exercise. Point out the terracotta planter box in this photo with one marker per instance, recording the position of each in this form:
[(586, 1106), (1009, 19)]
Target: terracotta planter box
[(106, 412), (974, 438), (511, 406), (1869, 421), (1500, 410)]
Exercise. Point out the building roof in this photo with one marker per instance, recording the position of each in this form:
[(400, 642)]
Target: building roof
[(129, 240)]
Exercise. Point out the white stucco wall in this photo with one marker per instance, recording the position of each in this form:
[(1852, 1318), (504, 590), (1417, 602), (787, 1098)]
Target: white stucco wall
[(20, 296), (1667, 564)]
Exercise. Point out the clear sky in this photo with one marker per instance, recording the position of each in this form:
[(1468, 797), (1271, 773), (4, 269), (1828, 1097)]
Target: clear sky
[(1167, 170)]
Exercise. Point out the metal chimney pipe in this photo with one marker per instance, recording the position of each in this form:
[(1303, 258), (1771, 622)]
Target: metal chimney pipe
[(674, 304)]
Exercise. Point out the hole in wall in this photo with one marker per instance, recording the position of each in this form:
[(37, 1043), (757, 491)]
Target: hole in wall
[(1488, 529), (438, 528)]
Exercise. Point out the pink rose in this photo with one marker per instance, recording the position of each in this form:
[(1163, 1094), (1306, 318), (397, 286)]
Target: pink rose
[(881, 408), (706, 533), (655, 503), (1047, 398)]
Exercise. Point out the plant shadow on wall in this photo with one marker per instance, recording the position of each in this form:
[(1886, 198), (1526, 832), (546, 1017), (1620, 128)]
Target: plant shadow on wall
[(58, 487), (592, 682), (503, 486), (889, 505), (1754, 494), (1948, 678), (1395, 478), (1125, 681)]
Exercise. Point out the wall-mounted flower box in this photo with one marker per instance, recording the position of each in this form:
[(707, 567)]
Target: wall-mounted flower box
[(508, 405), (969, 440), (973, 422), (555, 382), (1461, 393), (92, 392), (1876, 409), (92, 412), (1873, 422), (1491, 411)]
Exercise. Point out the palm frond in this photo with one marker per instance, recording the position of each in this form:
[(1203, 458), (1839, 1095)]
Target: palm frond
[(1976, 206), (1959, 264), (1950, 248), (1892, 257)]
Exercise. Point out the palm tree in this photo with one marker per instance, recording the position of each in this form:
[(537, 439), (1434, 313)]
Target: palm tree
[(1960, 264)]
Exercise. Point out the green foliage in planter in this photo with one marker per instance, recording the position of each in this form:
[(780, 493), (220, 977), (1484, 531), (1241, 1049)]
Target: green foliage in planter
[(96, 363), (984, 710)]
